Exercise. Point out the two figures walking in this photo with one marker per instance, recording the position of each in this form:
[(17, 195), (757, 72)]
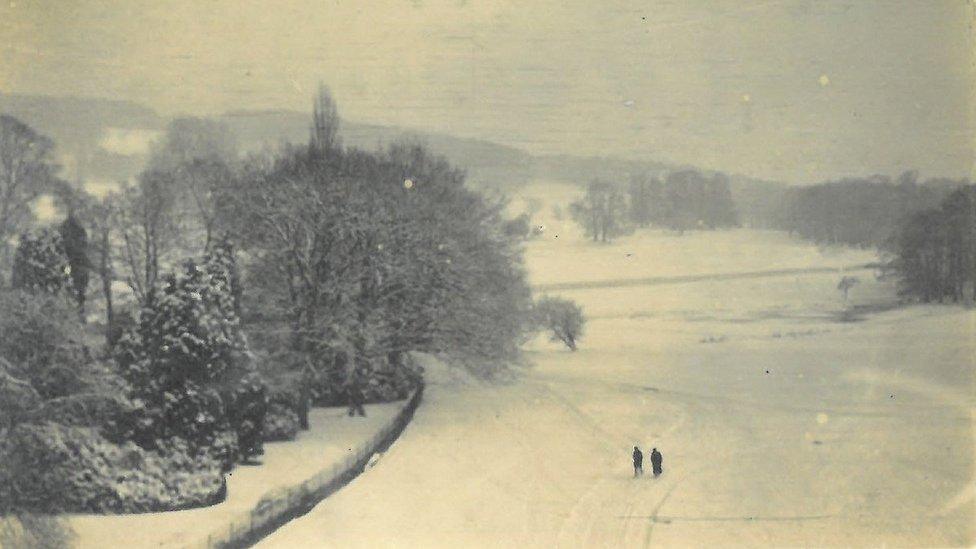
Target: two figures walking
[(656, 460)]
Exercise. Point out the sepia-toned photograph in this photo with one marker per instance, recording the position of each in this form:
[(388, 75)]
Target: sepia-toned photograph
[(487, 274)]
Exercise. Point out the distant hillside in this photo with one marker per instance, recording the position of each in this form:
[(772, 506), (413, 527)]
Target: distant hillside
[(488, 164), (79, 128), (105, 141)]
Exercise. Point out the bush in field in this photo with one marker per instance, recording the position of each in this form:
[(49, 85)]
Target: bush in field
[(186, 361), (52, 468), (562, 318), (519, 228), (40, 263)]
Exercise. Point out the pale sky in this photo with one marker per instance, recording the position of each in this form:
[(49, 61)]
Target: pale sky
[(797, 91)]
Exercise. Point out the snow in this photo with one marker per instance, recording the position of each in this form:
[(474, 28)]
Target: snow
[(331, 438), (786, 416)]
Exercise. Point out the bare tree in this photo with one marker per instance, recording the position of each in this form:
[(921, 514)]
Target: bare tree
[(26, 168), (205, 180), (104, 221), (147, 229), (191, 138), (846, 283), (196, 156)]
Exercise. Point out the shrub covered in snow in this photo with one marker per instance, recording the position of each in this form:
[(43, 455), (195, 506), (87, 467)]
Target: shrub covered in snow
[(247, 410), (42, 339), (280, 423), (288, 396), (187, 363), (46, 371), (52, 468), (40, 263)]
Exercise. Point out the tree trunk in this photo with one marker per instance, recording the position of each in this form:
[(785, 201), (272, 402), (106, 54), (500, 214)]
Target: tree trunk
[(105, 272)]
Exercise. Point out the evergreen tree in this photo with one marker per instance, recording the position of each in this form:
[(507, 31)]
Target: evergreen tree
[(74, 239), (187, 362), (40, 263)]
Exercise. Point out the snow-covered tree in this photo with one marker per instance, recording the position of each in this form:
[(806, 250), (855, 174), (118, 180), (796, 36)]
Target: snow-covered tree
[(187, 362), (26, 169), (40, 263)]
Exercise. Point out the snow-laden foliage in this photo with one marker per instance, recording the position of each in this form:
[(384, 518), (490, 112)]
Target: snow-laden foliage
[(280, 423), (40, 263), (53, 468), (188, 366), (355, 257), (42, 344)]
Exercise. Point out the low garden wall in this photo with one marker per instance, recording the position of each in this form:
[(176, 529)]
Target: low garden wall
[(283, 505)]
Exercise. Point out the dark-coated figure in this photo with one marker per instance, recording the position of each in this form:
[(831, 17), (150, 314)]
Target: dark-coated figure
[(638, 462), (656, 460)]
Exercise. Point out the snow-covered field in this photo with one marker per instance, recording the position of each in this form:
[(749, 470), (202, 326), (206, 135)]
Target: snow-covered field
[(786, 416)]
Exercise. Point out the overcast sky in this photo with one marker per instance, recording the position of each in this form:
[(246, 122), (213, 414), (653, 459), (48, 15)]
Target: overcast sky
[(791, 90)]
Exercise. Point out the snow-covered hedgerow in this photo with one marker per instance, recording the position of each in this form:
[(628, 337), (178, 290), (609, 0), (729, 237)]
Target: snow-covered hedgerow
[(52, 468)]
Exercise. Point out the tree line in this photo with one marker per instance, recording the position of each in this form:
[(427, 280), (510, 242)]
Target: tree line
[(683, 200), (926, 229), (864, 212)]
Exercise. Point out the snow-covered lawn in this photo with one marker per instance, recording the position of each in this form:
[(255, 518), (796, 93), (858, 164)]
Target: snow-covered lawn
[(786, 416), (332, 437), (659, 253)]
